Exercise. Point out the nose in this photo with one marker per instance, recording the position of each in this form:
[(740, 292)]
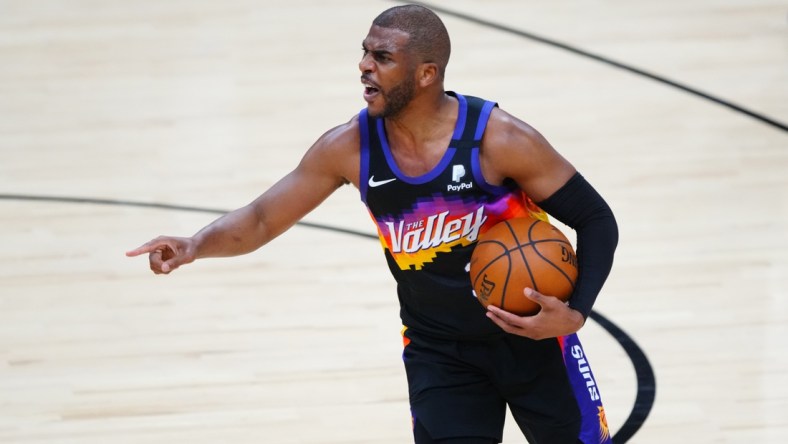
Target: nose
[(366, 64)]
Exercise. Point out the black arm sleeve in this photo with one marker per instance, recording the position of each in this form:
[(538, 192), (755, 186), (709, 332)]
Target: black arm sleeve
[(580, 207)]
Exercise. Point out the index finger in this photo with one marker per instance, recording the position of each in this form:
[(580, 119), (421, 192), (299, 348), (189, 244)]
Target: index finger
[(508, 317), (147, 247)]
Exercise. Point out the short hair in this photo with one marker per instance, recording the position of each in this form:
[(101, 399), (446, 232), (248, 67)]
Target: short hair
[(428, 37)]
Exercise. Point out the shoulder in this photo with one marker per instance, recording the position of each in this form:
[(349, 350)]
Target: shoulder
[(505, 130), (337, 152), (341, 137), (508, 141), (513, 149)]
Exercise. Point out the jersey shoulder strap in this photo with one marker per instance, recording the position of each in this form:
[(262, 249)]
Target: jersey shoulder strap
[(478, 111)]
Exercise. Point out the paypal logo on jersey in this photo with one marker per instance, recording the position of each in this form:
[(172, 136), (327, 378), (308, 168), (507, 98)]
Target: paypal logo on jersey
[(457, 173)]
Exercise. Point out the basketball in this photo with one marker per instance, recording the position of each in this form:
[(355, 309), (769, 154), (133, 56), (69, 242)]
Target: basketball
[(519, 253)]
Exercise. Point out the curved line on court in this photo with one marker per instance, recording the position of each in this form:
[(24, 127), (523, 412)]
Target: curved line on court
[(551, 42), (646, 380), (646, 384)]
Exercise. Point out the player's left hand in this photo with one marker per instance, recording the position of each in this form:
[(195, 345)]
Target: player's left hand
[(553, 320)]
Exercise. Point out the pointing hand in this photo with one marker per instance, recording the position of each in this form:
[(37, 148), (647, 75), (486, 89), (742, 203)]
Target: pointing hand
[(166, 254)]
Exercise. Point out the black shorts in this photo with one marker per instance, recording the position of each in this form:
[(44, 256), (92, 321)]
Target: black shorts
[(461, 388)]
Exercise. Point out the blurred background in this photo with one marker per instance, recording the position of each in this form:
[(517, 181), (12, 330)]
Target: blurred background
[(120, 121)]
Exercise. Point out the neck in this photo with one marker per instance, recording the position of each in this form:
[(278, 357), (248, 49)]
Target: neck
[(424, 119)]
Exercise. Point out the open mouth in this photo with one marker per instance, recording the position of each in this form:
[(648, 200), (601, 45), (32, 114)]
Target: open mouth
[(370, 89)]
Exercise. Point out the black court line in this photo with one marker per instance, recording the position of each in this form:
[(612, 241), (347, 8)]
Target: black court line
[(129, 203), (646, 388), (550, 42)]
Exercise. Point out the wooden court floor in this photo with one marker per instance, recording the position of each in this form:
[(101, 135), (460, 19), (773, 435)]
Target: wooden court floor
[(120, 121)]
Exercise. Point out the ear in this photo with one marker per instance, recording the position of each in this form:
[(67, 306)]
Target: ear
[(427, 74)]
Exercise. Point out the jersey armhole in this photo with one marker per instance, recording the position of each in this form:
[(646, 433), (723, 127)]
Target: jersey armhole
[(476, 165), (478, 176)]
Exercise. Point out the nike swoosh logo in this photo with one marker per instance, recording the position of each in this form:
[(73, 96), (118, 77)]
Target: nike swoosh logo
[(373, 183)]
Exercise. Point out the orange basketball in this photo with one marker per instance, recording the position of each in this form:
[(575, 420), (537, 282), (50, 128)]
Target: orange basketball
[(519, 253)]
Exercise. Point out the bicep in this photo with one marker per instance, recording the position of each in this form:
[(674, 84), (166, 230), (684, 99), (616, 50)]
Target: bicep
[(321, 171), (291, 198)]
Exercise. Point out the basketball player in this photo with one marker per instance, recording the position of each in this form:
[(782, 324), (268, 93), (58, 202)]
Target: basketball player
[(436, 169)]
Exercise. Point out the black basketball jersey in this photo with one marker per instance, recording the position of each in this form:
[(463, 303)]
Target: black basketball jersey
[(428, 225)]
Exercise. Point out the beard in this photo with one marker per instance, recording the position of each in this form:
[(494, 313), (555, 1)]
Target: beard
[(398, 97)]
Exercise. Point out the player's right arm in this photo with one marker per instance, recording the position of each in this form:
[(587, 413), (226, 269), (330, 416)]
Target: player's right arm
[(330, 163)]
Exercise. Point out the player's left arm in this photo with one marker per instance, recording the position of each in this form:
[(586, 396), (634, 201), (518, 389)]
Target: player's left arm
[(513, 149)]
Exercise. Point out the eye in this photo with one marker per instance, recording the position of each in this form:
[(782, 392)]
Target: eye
[(379, 56)]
